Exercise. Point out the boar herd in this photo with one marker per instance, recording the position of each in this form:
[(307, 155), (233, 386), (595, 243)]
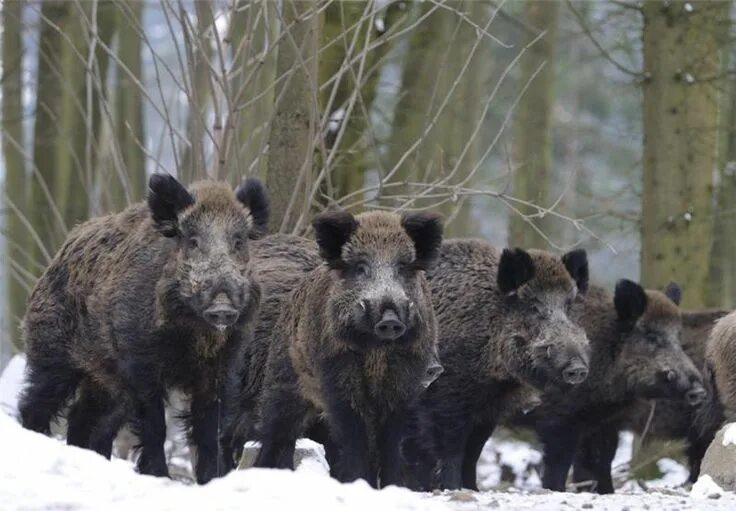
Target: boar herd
[(398, 351)]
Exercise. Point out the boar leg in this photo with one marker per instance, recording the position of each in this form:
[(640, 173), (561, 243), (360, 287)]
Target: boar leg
[(559, 440), (151, 430), (103, 433), (90, 408), (282, 421), (697, 445), (350, 434), (394, 430), (205, 419), (473, 448), (48, 388), (594, 457)]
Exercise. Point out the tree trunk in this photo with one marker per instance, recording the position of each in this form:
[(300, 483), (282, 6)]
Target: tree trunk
[(13, 143), (293, 126), (130, 131), (46, 133), (681, 59), (348, 32), (73, 184), (253, 29), (445, 73), (532, 136), (722, 275)]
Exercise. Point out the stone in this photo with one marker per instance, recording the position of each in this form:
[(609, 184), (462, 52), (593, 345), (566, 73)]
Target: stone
[(308, 455), (719, 461)]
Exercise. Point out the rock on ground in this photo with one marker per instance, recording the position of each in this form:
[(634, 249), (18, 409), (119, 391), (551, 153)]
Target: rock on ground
[(719, 461)]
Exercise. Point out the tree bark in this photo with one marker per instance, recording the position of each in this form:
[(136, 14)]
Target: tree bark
[(73, 184), (293, 126), (130, 130), (681, 58), (16, 182), (532, 135), (46, 133), (438, 87)]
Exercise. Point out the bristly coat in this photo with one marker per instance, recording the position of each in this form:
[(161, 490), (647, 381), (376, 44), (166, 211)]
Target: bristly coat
[(156, 297)]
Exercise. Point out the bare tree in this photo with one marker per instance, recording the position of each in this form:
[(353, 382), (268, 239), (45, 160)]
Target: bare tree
[(295, 117), (532, 133), (15, 260), (681, 115)]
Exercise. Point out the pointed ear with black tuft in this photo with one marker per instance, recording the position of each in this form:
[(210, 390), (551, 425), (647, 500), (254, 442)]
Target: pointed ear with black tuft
[(332, 230), (425, 230), (253, 195), (630, 301), (673, 292), (166, 199), (576, 262), (515, 268)]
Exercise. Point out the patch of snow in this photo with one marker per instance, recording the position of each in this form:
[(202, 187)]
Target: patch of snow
[(622, 458), (705, 487), (688, 7), (222, 24), (46, 474), (689, 78), (517, 459), (335, 119), (674, 474), (11, 383), (729, 435)]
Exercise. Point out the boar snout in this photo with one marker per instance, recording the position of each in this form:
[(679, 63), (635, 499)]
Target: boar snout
[(221, 313), (575, 372), (696, 395), (390, 327)]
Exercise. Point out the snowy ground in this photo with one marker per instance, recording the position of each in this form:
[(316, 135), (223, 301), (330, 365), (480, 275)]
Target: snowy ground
[(37, 472)]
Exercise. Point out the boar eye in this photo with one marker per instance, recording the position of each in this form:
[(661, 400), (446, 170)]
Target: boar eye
[(362, 269), (192, 242), (237, 242)]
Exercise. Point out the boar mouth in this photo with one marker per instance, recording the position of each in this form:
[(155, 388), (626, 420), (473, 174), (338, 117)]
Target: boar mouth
[(221, 314)]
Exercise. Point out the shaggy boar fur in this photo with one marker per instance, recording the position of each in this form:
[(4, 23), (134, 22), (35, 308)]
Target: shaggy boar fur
[(636, 353), (503, 318), (353, 344), (157, 297), (675, 418)]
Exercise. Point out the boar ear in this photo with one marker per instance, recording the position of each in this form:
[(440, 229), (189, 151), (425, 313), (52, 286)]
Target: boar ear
[(673, 292), (514, 269), (630, 301), (332, 230), (576, 262), (253, 195), (166, 199), (425, 230)]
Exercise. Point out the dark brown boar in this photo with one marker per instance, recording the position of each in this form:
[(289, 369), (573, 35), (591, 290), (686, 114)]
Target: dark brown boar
[(675, 418), (504, 323), (157, 297), (636, 353), (353, 344)]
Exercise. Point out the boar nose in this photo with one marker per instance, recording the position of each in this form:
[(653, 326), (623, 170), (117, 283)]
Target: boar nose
[(576, 372), (696, 395), (434, 371), (389, 328), (221, 314)]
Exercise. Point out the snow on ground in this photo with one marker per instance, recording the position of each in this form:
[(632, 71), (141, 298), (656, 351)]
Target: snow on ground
[(11, 383), (41, 473)]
